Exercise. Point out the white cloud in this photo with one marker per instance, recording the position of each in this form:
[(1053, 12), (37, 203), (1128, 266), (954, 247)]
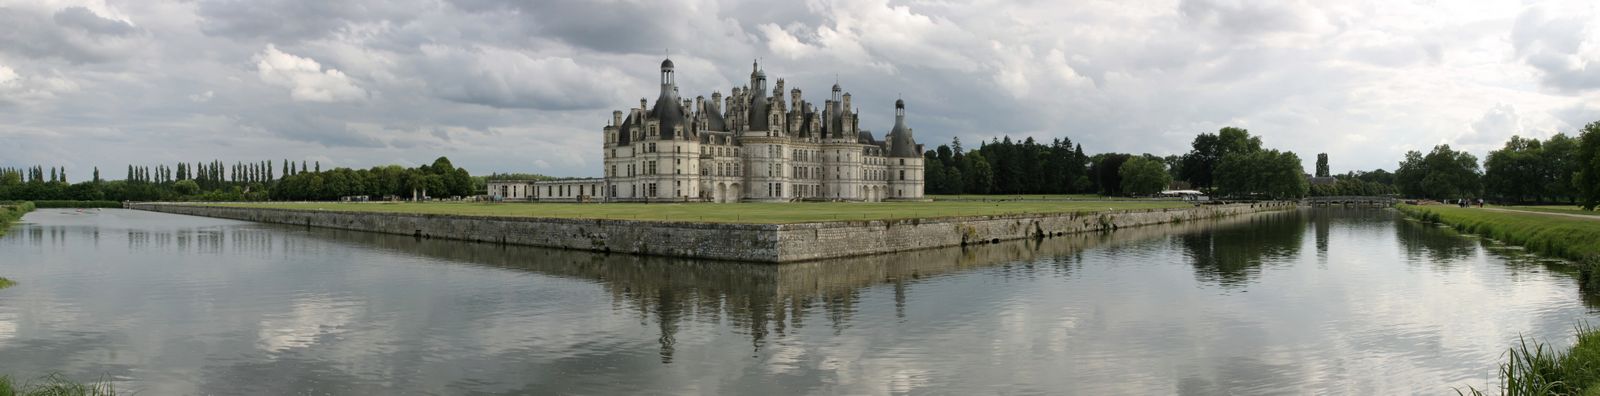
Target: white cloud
[(306, 79), (411, 80)]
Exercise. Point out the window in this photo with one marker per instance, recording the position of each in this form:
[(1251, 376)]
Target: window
[(902, 174), (651, 188)]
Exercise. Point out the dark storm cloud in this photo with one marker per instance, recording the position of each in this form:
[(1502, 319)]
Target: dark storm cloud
[(73, 34)]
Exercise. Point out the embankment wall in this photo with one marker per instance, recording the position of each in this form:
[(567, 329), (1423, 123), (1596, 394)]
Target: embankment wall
[(773, 243)]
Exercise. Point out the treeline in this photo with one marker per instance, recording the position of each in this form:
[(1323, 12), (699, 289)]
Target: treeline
[(1230, 162), (1006, 167), (440, 179), (1561, 169), (240, 181)]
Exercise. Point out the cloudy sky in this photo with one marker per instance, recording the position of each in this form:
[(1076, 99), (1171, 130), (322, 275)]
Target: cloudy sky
[(525, 86)]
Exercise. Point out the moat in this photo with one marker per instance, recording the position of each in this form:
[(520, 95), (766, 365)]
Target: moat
[(1341, 301)]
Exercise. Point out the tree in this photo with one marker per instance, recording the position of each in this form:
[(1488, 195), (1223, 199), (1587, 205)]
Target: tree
[(1560, 159), (981, 178), (1517, 171), (1441, 174), (1105, 170), (186, 187), (1144, 176), (1207, 151), (1270, 173), (1588, 165), (1322, 165)]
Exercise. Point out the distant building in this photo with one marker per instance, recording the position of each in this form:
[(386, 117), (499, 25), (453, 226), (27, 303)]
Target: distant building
[(751, 146)]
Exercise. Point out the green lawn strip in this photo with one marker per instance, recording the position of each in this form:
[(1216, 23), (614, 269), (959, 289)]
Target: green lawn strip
[(1564, 209), (761, 213), (1025, 197), (1574, 239)]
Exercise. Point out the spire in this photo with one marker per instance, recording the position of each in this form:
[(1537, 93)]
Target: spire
[(901, 143), (667, 78)]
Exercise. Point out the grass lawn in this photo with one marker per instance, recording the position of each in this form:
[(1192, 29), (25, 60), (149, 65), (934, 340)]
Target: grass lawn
[(1567, 209), (1571, 238), (1025, 197), (766, 213)]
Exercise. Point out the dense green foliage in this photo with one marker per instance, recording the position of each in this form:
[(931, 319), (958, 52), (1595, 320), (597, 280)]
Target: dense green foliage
[(1441, 174), (1006, 167), (1144, 176), (1266, 173), (1105, 172), (216, 181), (1322, 165), (440, 179), (1587, 173), (1208, 151), (76, 204), (1060, 167), (1527, 170), (1359, 183), (54, 385)]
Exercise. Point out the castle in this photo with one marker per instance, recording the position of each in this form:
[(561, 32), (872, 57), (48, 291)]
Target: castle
[(750, 146)]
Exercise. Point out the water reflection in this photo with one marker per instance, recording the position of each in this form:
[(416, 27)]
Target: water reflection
[(1309, 301), (1422, 242), (765, 300), (1231, 254)]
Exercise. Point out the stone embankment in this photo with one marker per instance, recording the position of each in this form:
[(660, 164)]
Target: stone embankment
[(773, 243)]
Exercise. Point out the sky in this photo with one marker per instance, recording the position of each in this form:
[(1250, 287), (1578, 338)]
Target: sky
[(526, 86)]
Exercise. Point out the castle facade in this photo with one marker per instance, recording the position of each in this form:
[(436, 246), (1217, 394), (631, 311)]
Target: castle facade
[(757, 144)]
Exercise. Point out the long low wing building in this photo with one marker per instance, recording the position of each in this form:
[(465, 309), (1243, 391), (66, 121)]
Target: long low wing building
[(750, 146)]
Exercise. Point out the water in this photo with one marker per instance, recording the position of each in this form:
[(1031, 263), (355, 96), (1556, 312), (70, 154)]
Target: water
[(1315, 301)]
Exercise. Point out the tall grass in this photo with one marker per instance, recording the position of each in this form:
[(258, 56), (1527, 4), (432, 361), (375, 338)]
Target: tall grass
[(55, 385), (1535, 368), (10, 212)]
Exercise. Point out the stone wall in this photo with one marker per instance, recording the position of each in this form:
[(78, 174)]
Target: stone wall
[(739, 242), (811, 241)]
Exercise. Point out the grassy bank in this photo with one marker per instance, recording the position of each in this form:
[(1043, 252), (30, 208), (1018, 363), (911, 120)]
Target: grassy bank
[(1539, 369), (766, 213), (77, 204), (54, 385), (1563, 209), (1575, 239), (10, 212)]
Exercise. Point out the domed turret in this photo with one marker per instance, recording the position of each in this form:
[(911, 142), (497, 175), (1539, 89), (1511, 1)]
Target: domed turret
[(901, 144)]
